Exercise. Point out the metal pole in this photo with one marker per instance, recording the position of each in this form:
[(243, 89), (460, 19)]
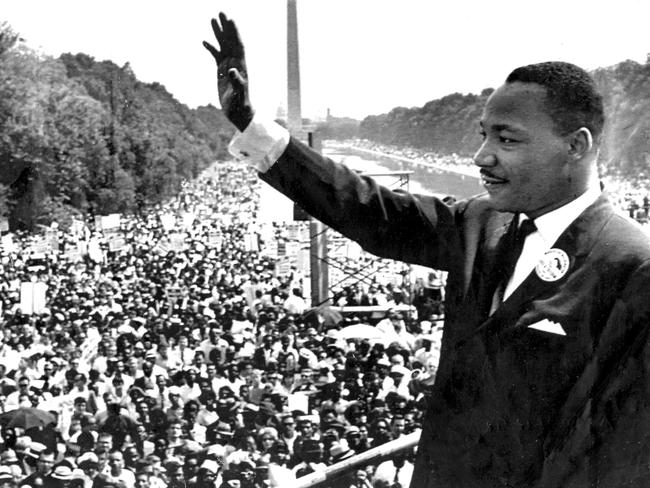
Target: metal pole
[(373, 456)]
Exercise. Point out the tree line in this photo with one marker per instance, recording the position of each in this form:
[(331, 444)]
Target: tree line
[(81, 136)]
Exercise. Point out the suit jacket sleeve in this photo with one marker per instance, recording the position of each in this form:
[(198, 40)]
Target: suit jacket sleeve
[(388, 223)]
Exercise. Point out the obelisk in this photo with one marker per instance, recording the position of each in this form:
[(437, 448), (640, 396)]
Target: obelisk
[(294, 116)]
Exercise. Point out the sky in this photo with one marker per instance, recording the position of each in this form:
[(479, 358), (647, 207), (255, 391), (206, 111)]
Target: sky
[(357, 57)]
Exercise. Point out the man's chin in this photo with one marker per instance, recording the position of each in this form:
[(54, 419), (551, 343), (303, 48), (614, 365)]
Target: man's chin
[(500, 204)]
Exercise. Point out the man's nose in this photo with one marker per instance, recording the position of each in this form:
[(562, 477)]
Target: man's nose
[(485, 156)]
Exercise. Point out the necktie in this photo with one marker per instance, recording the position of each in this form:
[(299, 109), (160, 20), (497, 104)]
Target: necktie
[(511, 257)]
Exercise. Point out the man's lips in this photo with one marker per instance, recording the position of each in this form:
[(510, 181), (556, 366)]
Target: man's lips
[(491, 179)]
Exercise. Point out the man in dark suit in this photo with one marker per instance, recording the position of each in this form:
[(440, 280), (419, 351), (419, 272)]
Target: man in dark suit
[(543, 378)]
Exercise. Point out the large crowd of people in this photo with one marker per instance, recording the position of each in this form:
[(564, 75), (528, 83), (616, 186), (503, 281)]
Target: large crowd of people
[(170, 349), (177, 348)]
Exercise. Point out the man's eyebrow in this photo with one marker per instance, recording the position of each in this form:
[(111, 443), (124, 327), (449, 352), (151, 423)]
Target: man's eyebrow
[(502, 127)]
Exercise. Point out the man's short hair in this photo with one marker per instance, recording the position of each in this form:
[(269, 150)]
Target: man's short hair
[(572, 98)]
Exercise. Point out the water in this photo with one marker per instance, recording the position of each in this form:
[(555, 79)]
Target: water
[(424, 180)]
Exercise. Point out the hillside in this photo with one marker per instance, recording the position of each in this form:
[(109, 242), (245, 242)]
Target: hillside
[(450, 124)]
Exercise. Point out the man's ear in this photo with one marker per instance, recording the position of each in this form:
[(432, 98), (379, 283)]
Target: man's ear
[(580, 143)]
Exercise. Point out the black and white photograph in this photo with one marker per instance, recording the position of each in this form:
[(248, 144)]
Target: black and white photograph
[(324, 244)]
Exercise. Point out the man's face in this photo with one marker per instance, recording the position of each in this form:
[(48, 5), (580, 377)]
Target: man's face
[(191, 467), (232, 373), (524, 164), (104, 444), (147, 367), (211, 371), (45, 463), (214, 336), (116, 462), (131, 455), (289, 426), (398, 427), (175, 430), (306, 428), (198, 359), (176, 476), (142, 480)]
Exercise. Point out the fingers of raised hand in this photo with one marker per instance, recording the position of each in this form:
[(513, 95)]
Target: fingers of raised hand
[(213, 50), (228, 37)]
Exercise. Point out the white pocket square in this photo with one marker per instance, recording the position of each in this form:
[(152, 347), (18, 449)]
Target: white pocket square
[(548, 326)]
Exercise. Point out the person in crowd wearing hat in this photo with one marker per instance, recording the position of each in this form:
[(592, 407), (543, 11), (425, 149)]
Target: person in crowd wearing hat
[(8, 457), (62, 476), (339, 452), (6, 477), (208, 475), (352, 435), (400, 377), (88, 465)]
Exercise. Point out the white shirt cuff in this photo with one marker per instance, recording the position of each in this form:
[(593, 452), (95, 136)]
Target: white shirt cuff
[(260, 145)]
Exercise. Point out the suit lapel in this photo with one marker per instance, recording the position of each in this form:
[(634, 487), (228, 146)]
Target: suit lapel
[(576, 241), (486, 269)]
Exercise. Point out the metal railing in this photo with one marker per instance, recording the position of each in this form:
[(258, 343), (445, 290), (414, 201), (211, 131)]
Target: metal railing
[(375, 455)]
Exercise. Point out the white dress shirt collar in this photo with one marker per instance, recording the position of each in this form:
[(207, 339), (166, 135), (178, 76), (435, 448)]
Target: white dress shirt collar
[(551, 225)]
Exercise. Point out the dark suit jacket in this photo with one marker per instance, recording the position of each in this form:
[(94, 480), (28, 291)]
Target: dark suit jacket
[(511, 405)]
